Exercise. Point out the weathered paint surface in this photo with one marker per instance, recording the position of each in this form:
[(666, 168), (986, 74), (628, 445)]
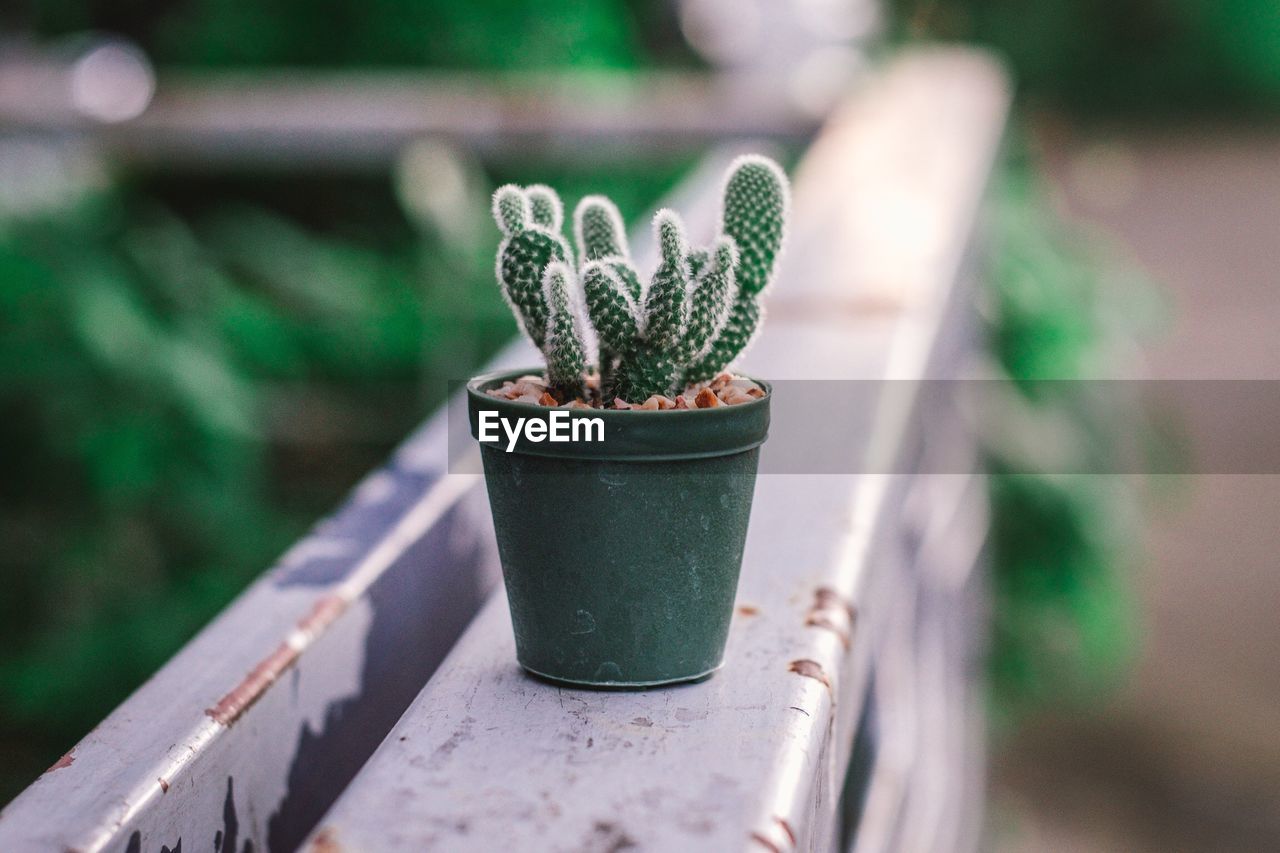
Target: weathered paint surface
[(290, 689), (857, 602)]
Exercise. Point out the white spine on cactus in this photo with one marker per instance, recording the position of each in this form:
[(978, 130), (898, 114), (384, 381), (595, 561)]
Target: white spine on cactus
[(513, 212), (716, 289), (545, 207), (510, 210), (614, 313), (665, 304), (780, 178), (616, 226), (564, 349)]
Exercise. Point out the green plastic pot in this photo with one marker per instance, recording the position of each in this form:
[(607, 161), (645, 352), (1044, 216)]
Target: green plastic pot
[(621, 556)]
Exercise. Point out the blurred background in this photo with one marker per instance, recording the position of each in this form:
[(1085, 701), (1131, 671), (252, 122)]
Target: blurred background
[(239, 261)]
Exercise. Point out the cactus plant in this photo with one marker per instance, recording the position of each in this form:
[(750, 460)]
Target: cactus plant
[(698, 312)]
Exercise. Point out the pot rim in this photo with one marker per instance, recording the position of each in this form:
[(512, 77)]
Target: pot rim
[(632, 435)]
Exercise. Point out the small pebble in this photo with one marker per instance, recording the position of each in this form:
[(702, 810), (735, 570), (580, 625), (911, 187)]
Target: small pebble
[(707, 399), (657, 401)]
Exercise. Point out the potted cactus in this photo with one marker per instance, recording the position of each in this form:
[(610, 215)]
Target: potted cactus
[(621, 478)]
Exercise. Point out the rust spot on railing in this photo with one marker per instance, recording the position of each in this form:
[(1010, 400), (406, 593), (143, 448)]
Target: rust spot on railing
[(748, 610), (325, 842), (832, 613), (786, 827), (768, 843), (761, 839), (828, 625), (826, 598), (810, 669), (65, 761), (248, 691), (326, 611), (262, 676)]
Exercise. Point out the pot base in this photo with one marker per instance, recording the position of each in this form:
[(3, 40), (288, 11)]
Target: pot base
[(622, 685)]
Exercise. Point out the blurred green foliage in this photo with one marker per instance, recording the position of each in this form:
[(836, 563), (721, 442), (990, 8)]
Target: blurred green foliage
[(1160, 58), (478, 34), (1061, 544), (142, 359)]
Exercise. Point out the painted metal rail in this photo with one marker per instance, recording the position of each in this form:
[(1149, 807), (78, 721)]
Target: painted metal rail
[(775, 69), (844, 716)]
